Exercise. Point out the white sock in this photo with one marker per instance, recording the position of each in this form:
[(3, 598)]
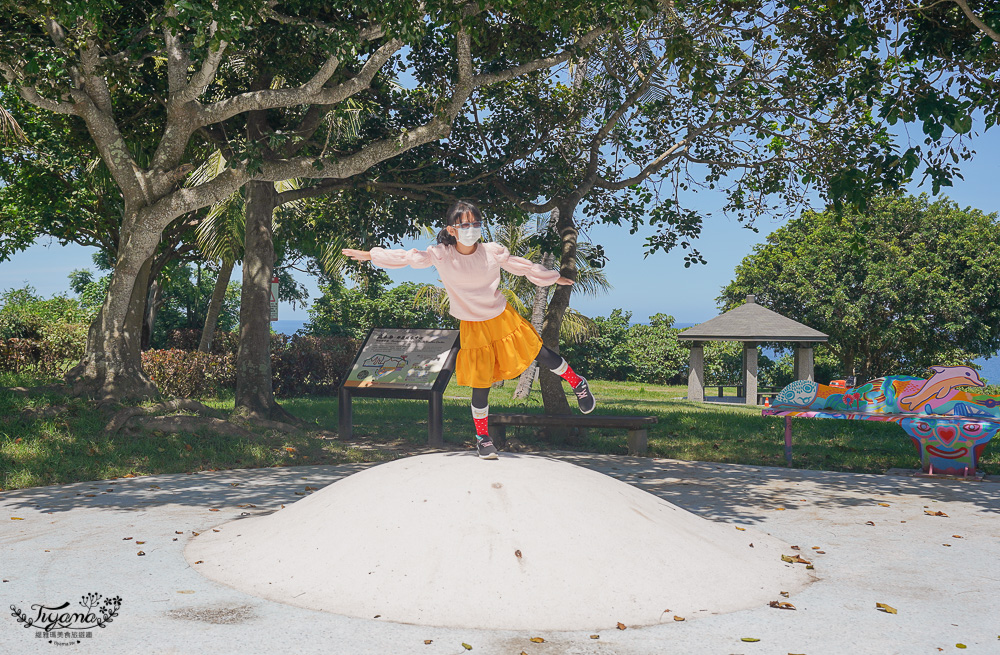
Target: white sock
[(559, 370)]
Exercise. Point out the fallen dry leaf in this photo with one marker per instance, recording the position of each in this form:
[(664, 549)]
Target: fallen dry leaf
[(599, 636), (247, 505), (213, 510), (186, 591), (883, 504), (310, 488), (869, 523), (957, 536), (796, 559), (126, 538), (885, 608), (780, 509), (949, 545), (214, 530), (140, 553), (428, 641), (784, 593), (178, 532), (140, 542), (201, 561), (796, 548), (935, 513), (821, 552), (960, 646), (678, 618), (780, 605), (621, 626), (741, 529), (537, 640), (751, 639), (517, 553), (16, 518), (130, 475), (466, 646)]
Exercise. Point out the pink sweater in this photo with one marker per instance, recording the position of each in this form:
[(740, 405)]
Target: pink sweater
[(472, 281)]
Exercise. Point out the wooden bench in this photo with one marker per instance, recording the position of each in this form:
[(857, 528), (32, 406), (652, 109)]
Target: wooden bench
[(949, 426), (636, 425)]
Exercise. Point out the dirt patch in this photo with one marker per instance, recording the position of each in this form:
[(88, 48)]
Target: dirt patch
[(215, 615)]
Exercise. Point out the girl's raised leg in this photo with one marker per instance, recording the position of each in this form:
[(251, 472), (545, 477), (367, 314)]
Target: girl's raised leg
[(555, 363)]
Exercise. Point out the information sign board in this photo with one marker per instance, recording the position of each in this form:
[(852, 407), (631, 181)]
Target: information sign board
[(394, 358)]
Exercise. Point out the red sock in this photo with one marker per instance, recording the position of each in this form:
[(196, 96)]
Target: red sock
[(480, 417), (566, 373)]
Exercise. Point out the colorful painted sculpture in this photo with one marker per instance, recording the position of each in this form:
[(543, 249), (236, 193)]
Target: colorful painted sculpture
[(949, 426)]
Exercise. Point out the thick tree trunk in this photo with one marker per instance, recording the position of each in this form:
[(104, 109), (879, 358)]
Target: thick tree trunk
[(553, 392), (215, 306), (111, 367), (537, 317), (254, 391)]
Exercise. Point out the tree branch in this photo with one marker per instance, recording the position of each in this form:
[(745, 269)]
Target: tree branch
[(312, 92), (977, 21)]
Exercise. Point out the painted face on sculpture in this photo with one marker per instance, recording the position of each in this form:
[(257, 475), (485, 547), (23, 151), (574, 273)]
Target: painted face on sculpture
[(949, 440)]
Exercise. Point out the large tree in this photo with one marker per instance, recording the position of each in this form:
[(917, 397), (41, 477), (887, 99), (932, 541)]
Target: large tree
[(905, 285), (80, 57), (751, 100)]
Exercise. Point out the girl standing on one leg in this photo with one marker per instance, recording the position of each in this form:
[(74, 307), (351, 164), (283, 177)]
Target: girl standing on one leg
[(496, 342)]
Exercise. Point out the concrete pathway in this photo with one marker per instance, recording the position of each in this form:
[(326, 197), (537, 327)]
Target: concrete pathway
[(878, 543)]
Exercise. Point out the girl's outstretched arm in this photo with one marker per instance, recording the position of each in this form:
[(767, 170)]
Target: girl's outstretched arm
[(537, 273), (385, 258), (357, 255)]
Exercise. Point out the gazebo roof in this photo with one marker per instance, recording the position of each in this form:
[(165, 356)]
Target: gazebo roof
[(751, 322)]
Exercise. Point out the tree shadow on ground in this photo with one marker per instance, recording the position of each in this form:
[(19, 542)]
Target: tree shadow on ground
[(723, 492)]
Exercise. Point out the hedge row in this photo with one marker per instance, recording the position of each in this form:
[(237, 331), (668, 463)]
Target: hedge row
[(40, 356), (300, 365)]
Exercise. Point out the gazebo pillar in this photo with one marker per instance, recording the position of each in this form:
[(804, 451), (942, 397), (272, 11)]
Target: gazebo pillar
[(696, 372), (750, 372), (804, 369)]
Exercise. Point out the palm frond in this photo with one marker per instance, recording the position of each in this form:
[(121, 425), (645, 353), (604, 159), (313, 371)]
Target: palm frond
[(10, 131), (330, 257)]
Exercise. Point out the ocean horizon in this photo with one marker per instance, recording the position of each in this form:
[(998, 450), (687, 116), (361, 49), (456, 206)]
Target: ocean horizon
[(989, 368)]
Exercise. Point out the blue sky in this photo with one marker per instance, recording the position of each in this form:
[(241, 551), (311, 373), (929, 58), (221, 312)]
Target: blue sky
[(644, 286)]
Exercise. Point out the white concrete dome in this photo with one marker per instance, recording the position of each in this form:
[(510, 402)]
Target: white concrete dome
[(519, 543)]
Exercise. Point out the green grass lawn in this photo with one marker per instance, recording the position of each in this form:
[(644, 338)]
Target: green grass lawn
[(72, 446)]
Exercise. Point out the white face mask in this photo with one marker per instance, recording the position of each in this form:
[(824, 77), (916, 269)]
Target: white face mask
[(469, 236)]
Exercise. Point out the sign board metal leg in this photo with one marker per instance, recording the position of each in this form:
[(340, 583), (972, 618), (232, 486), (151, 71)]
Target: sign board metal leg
[(346, 419), (435, 422)]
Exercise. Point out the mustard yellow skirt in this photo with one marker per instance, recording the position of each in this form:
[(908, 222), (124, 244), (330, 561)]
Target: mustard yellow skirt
[(498, 349)]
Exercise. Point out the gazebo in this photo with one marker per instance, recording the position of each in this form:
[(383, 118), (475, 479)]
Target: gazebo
[(751, 324)]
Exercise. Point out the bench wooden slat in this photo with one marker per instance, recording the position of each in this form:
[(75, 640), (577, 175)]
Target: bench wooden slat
[(638, 440), (573, 420)]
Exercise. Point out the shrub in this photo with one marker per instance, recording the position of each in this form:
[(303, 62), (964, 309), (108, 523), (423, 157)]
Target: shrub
[(189, 373), (300, 365), (312, 365)]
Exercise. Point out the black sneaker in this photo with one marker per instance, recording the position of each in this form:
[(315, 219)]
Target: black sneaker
[(486, 448), (583, 397)]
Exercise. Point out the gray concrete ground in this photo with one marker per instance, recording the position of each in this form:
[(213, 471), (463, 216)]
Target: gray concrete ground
[(880, 545)]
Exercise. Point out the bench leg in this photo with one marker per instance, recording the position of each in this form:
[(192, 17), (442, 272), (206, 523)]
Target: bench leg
[(638, 442), (788, 440), (498, 435)]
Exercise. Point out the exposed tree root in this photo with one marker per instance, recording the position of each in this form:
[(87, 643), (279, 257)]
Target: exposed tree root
[(24, 392), (126, 415), (33, 414), (183, 423)]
